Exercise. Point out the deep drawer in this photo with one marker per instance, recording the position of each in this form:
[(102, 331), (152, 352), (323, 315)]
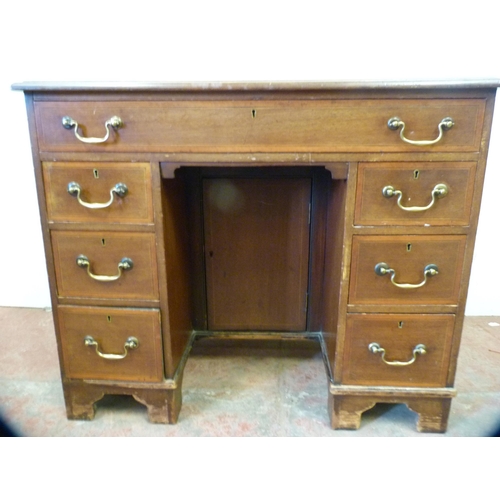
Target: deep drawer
[(106, 253), (130, 201), (260, 126), (409, 258), (111, 343), (445, 188), (419, 343)]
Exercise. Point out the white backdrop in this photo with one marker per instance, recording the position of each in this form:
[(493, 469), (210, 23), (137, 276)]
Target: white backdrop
[(228, 41)]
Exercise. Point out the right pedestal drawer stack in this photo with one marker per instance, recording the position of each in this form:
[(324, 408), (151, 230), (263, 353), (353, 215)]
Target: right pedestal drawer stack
[(411, 232)]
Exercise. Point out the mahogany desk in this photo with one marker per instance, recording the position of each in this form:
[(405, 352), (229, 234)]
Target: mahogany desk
[(343, 211)]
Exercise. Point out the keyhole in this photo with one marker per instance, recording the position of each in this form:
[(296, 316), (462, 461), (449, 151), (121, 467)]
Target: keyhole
[(103, 242), (416, 173), (96, 173), (408, 247), (109, 319), (254, 113), (400, 324)]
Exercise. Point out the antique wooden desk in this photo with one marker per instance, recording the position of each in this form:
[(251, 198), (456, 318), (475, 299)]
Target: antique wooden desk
[(342, 211)]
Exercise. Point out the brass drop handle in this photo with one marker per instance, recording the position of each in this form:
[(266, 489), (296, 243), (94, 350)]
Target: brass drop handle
[(439, 191), (377, 349), (124, 265), (131, 343), (114, 122), (75, 190), (381, 269), (395, 123)]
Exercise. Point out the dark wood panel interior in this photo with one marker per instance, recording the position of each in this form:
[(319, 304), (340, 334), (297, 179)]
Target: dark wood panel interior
[(178, 267), (257, 253), (190, 216), (335, 235)]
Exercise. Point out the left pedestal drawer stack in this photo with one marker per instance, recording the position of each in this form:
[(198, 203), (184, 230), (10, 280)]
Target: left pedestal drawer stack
[(100, 219)]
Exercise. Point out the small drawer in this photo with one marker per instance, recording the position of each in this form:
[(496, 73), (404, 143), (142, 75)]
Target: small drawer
[(298, 125), (111, 343), (122, 265), (98, 192), (382, 267), (397, 349), (437, 194)]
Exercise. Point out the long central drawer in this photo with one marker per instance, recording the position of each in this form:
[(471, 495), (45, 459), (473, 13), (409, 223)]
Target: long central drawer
[(342, 125)]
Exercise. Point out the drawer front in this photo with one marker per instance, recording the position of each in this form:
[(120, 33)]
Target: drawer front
[(105, 251), (421, 186), (260, 126), (130, 202), (111, 343), (397, 338), (408, 257)]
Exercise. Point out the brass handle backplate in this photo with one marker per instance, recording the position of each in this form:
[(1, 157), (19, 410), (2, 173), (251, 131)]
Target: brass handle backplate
[(439, 191), (124, 265), (381, 269), (395, 123), (377, 349), (75, 190), (114, 122), (131, 343)]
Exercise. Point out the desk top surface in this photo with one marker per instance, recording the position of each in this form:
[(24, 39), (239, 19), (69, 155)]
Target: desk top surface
[(257, 86)]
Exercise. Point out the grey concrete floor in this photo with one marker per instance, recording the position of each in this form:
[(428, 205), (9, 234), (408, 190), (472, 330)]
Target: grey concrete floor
[(234, 388)]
